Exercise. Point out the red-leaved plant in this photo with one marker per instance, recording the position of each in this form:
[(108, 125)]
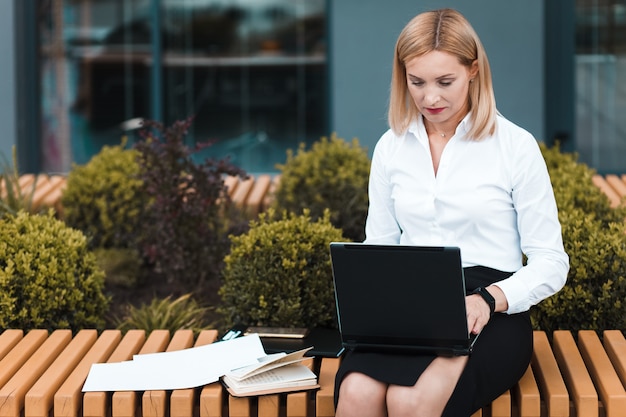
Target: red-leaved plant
[(185, 234)]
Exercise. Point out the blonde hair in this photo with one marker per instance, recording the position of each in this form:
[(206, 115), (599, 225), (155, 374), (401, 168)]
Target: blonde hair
[(444, 30)]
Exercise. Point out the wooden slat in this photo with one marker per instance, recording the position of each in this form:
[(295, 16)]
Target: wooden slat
[(256, 198), (575, 374), (124, 403), (12, 394), (615, 345), (212, 400), (617, 184), (96, 404), (501, 406), (601, 183), (53, 197), (154, 402), (231, 183), (599, 365), (269, 196), (8, 339), (20, 354), (38, 195), (240, 195), (68, 399), (297, 402), (40, 398), (269, 406), (183, 401), (527, 394), (26, 182), (44, 189), (239, 406), (549, 376), (324, 403)]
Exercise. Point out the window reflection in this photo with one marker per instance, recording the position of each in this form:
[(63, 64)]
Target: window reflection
[(600, 73), (253, 72)]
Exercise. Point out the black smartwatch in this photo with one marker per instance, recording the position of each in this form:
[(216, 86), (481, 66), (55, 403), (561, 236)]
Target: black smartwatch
[(482, 291)]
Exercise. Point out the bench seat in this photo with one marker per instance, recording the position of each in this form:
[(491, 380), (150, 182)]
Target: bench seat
[(254, 194), (42, 373)]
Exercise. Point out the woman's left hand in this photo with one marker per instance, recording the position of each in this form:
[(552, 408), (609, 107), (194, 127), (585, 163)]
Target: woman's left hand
[(478, 311)]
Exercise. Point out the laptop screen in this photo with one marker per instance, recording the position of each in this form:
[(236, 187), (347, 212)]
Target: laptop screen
[(410, 297)]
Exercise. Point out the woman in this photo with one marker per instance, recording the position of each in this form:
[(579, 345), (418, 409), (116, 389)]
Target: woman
[(452, 171)]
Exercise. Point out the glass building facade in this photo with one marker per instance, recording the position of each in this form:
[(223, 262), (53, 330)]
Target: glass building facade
[(263, 76), (600, 74), (252, 73)]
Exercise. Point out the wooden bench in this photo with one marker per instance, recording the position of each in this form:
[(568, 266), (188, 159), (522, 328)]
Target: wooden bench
[(42, 373), (613, 186), (45, 190), (253, 194)]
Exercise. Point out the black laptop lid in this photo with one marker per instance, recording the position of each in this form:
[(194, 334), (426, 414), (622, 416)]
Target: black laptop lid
[(402, 298)]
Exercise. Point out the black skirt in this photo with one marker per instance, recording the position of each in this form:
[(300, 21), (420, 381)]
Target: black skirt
[(500, 357)]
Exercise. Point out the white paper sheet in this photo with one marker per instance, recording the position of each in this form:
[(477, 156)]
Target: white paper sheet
[(180, 369)]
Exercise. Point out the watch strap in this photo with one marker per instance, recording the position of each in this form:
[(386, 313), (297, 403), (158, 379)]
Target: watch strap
[(486, 295)]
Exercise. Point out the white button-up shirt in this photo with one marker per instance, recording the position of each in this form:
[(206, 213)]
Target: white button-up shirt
[(492, 198)]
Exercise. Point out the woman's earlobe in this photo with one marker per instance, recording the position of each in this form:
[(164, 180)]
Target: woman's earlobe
[(474, 69)]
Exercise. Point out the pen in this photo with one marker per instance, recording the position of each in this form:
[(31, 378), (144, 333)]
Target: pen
[(231, 334)]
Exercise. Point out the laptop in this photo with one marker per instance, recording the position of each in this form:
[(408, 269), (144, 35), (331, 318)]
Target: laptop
[(400, 298)]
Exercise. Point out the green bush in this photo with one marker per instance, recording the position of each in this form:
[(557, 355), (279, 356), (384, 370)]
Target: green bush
[(573, 186), (48, 277), (181, 313), (332, 175), (279, 273), (595, 240), (122, 266), (105, 199)]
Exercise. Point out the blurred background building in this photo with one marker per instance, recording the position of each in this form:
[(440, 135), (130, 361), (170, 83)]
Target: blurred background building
[(262, 76)]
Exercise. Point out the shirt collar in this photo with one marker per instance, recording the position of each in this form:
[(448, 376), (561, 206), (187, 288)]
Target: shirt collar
[(418, 129)]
